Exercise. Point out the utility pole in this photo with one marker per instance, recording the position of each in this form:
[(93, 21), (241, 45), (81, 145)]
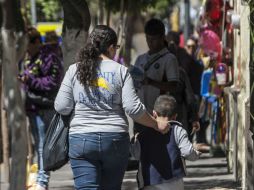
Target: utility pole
[(186, 19), (33, 12)]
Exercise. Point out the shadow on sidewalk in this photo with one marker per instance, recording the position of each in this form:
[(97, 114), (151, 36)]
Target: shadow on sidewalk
[(216, 184), (209, 173)]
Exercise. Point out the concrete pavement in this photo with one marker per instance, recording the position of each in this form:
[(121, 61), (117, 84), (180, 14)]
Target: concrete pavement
[(62, 180), (204, 174), (209, 173)]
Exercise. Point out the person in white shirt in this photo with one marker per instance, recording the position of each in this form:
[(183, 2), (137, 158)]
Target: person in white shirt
[(159, 68)]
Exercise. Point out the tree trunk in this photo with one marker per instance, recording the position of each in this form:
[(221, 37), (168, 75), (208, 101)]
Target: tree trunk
[(5, 154), (121, 27), (15, 109), (101, 11), (77, 21), (14, 46), (108, 16), (128, 36), (121, 22), (5, 144), (1, 56)]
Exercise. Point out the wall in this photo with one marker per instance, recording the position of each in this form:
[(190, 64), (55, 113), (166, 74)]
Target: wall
[(241, 83)]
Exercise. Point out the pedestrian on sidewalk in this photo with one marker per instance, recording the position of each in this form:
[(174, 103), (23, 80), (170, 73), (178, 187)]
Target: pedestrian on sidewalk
[(187, 104), (159, 67), (41, 72), (100, 91), (161, 165)]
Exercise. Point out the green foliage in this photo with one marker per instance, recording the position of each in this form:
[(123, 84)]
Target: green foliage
[(47, 10), (161, 7), (50, 9), (144, 5)]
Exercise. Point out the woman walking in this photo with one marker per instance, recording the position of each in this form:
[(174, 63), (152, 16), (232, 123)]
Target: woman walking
[(100, 91)]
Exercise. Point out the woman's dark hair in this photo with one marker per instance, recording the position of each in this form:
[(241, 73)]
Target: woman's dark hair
[(172, 48), (33, 34), (173, 36), (100, 39)]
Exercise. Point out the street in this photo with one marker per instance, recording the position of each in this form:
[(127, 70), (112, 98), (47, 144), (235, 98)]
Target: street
[(206, 173)]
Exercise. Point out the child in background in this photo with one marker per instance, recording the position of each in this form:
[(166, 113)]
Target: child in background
[(161, 165)]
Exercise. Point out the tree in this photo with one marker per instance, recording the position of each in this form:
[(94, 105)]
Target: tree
[(50, 10), (134, 10), (76, 24), (14, 45), (47, 10)]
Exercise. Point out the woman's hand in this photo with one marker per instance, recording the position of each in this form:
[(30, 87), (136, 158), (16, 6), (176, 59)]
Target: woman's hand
[(22, 78), (162, 125), (195, 127)]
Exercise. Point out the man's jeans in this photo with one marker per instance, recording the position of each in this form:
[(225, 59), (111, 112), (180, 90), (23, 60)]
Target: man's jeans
[(39, 124), (99, 160)]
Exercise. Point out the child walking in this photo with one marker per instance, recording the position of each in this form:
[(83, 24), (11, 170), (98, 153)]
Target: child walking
[(161, 165)]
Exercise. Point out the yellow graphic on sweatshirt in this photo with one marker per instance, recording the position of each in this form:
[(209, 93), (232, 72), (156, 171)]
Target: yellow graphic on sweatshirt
[(101, 82)]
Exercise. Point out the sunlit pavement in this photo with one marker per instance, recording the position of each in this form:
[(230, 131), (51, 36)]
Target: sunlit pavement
[(209, 173), (206, 173), (62, 180)]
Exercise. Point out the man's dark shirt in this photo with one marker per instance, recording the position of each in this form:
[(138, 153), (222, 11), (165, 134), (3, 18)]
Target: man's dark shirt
[(192, 67)]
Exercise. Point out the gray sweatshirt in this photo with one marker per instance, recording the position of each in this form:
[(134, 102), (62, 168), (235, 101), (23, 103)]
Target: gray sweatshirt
[(101, 107), (182, 141)]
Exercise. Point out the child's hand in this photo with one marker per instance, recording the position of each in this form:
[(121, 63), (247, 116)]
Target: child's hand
[(198, 153)]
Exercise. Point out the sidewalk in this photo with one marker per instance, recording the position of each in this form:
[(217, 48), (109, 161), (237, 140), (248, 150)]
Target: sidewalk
[(209, 173), (204, 174), (62, 180)]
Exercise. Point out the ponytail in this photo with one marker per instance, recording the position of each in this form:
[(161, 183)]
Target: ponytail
[(88, 63), (100, 39), (89, 57)]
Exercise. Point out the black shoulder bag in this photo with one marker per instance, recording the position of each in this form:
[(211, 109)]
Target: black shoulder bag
[(55, 147)]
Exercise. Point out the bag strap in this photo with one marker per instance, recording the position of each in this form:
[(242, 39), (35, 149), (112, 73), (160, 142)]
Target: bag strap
[(151, 61)]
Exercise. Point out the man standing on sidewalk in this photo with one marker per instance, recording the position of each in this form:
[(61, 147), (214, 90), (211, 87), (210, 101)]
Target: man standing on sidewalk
[(159, 66)]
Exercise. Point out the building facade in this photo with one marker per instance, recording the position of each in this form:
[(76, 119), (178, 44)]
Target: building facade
[(240, 107)]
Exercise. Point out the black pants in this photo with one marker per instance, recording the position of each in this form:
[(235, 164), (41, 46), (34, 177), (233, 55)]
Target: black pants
[(201, 134)]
